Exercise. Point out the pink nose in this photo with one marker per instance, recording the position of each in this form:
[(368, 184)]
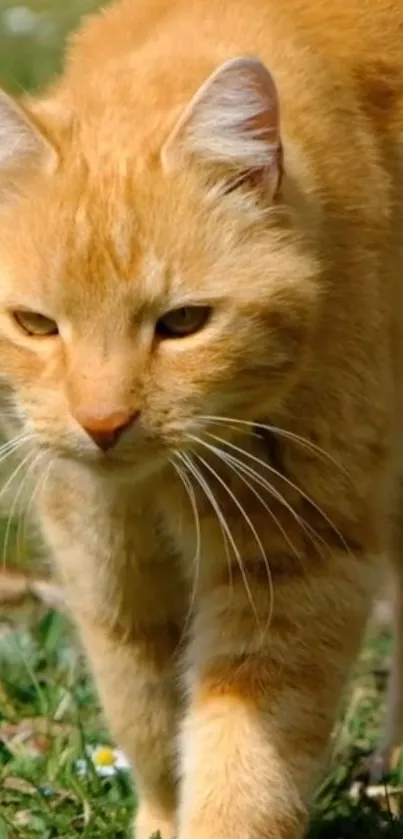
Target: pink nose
[(106, 430)]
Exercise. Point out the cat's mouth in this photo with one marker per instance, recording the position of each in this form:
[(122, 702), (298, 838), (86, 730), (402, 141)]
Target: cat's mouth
[(131, 471), (119, 463)]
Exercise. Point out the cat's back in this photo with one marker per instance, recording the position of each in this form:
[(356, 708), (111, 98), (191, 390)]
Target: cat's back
[(362, 37), (327, 55)]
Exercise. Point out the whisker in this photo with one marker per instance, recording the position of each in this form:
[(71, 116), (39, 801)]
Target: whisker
[(228, 539), (192, 498), (242, 470), (232, 463), (236, 467), (196, 559), (14, 474), (22, 528), (18, 436), (261, 481), (281, 432), (14, 507), (248, 522), (12, 445), (292, 485)]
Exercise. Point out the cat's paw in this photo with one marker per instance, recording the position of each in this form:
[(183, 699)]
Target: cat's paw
[(150, 824)]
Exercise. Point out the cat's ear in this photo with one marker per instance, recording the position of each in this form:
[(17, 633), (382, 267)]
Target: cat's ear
[(22, 143), (232, 124)]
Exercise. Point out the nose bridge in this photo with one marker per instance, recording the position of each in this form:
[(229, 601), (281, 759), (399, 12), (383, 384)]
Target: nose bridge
[(99, 384), (101, 396)]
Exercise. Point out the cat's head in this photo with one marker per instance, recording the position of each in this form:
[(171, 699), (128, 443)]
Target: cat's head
[(140, 296)]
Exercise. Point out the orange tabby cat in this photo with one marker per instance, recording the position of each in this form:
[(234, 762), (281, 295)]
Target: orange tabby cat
[(201, 301)]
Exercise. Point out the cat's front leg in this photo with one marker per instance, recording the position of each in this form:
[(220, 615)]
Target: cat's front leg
[(134, 669), (136, 682), (264, 700), (127, 600)]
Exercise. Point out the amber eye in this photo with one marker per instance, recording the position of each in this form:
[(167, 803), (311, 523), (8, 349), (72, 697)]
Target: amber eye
[(35, 324), (178, 323)]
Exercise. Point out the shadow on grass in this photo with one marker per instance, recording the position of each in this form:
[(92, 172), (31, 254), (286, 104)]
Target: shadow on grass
[(347, 809), (359, 822)]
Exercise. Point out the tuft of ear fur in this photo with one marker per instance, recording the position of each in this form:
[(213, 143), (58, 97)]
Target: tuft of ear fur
[(233, 122), (21, 141)]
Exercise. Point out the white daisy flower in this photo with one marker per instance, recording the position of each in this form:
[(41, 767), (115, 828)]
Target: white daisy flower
[(107, 762)]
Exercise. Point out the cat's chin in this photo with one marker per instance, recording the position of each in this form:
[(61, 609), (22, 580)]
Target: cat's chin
[(128, 473), (118, 470)]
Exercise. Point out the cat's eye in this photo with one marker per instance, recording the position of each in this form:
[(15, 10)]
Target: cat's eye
[(33, 323), (178, 323)]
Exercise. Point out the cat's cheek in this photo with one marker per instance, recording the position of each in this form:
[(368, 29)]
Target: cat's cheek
[(267, 373), (18, 367), (23, 366), (277, 351), (286, 339)]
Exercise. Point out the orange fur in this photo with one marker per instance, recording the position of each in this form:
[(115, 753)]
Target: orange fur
[(245, 157)]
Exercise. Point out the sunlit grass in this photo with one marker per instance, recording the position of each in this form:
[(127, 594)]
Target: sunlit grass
[(49, 716)]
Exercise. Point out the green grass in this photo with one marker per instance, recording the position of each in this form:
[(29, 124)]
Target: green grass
[(28, 59), (49, 715), (48, 710)]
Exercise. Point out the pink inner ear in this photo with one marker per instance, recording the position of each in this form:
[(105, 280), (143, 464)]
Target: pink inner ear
[(233, 119), (21, 141), (259, 82)]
